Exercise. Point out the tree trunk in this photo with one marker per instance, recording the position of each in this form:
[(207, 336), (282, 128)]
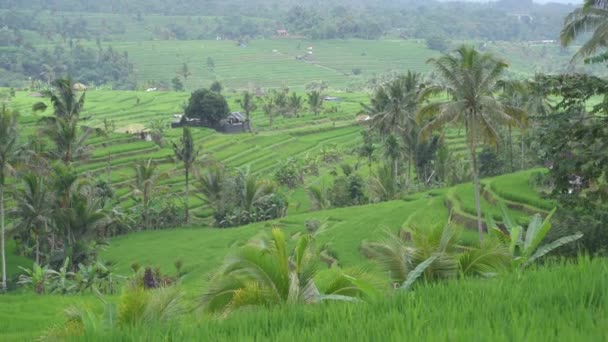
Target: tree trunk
[(37, 249), (477, 199), (187, 196), (2, 238), (395, 169), (522, 151), (511, 149)]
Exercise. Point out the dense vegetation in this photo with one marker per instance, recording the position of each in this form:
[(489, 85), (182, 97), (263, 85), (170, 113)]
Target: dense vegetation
[(415, 196)]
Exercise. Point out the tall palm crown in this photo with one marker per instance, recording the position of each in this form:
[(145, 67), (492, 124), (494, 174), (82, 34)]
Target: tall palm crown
[(591, 17), (63, 127), (187, 153), (470, 80), (394, 104)]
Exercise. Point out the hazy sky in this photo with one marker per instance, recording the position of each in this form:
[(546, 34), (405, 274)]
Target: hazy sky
[(539, 1)]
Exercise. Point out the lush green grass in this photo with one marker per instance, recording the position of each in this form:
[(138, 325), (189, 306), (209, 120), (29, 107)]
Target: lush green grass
[(550, 303), (24, 317)]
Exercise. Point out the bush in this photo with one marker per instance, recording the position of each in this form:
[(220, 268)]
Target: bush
[(290, 174), (347, 191)]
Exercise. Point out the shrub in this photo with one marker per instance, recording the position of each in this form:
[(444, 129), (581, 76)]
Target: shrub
[(290, 174)]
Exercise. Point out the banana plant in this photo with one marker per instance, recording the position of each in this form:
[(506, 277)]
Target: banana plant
[(525, 244), (37, 277)]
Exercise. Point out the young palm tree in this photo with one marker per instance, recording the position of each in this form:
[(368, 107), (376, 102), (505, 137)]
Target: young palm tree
[(315, 101), (435, 254), (63, 127), (264, 273), (187, 153), (248, 105), (145, 185), (470, 80), (269, 107), (8, 140), (211, 184), (34, 208), (294, 103), (591, 17)]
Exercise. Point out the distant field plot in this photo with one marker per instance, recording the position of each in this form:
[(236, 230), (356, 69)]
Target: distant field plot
[(274, 63)]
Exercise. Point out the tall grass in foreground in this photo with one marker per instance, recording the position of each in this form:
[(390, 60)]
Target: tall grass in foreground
[(561, 302)]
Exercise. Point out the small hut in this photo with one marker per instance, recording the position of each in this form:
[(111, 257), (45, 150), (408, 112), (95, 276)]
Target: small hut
[(79, 87)]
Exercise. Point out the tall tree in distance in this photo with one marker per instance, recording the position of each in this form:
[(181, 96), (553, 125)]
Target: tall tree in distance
[(62, 128), (591, 17), (294, 103), (248, 105), (184, 71), (186, 152), (145, 185), (470, 80), (34, 209), (8, 141), (315, 101), (269, 107)]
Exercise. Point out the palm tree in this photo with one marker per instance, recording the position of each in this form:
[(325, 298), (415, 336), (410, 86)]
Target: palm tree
[(145, 185), (269, 107), (591, 17), (294, 103), (8, 140), (248, 105), (393, 152), (470, 80), (435, 254), (66, 187), (524, 244), (393, 111), (264, 273), (63, 127), (187, 153), (250, 190), (315, 101), (211, 185), (34, 208)]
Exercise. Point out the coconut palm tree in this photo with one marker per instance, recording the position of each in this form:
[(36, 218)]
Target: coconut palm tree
[(63, 128), (393, 111), (315, 101), (211, 184), (470, 79), (8, 141), (248, 105), (263, 273), (435, 254), (591, 17), (34, 209), (187, 153), (294, 103), (145, 185), (270, 108)]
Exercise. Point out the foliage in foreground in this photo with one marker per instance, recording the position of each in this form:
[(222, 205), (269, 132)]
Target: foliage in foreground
[(545, 304), (264, 273)]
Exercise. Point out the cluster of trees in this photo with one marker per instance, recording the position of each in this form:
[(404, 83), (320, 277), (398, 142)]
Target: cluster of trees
[(288, 105), (87, 65), (240, 197), (237, 20)]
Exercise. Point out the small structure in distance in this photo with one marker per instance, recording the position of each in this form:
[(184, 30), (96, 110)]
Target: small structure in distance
[(235, 122)]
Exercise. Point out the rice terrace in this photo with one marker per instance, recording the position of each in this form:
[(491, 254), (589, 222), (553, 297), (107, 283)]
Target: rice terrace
[(303, 171)]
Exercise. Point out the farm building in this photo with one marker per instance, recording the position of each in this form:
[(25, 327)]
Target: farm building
[(235, 122)]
